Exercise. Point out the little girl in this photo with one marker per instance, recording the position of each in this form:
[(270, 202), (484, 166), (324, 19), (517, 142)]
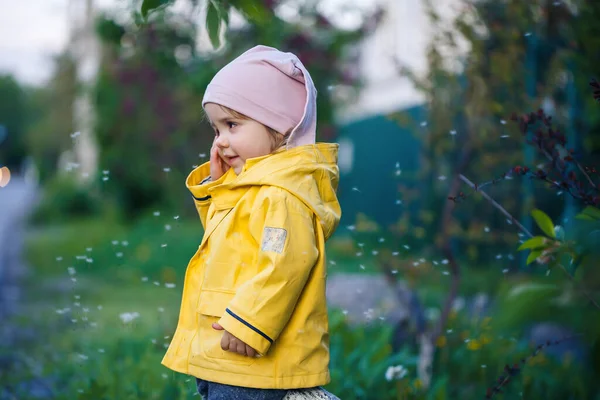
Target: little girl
[(253, 318)]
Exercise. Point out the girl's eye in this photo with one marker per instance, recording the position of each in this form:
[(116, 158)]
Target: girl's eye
[(216, 133), (231, 125)]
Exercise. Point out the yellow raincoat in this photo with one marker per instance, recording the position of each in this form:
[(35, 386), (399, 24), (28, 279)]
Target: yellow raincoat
[(260, 271)]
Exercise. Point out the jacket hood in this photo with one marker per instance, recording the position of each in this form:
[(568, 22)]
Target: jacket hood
[(309, 172)]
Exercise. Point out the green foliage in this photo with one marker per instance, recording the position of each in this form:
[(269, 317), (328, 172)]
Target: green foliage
[(217, 12), (360, 357), (473, 350), (217, 16), (109, 31), (213, 22), (152, 5), (256, 12), (155, 247), (49, 134), (64, 199), (473, 359), (585, 39), (540, 245), (95, 392), (470, 98), (589, 214), (533, 255), (103, 357), (544, 222), (567, 250), (147, 120), (533, 243), (538, 295), (14, 114), (149, 91)]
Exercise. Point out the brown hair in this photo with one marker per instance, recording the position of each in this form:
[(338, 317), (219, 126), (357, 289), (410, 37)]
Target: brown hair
[(278, 140)]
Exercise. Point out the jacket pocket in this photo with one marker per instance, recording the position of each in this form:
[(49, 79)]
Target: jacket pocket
[(211, 307)]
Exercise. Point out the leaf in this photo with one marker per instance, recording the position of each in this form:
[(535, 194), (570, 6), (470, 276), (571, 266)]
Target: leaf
[(592, 211), (151, 5), (533, 256), (584, 217), (213, 23), (224, 12), (544, 222), (589, 213), (533, 243), (255, 11), (109, 31)]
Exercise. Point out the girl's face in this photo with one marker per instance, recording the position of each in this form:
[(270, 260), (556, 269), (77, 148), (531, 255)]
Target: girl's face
[(238, 139)]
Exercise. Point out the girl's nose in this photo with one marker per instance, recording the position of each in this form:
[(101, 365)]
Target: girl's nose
[(222, 142)]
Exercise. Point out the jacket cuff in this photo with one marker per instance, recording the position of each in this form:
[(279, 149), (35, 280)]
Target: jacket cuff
[(247, 332), (199, 182)]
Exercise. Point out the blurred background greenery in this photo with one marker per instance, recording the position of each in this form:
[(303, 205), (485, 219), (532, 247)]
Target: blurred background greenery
[(106, 144)]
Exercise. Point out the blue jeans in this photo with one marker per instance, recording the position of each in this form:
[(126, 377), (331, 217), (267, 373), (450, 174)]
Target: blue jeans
[(219, 391)]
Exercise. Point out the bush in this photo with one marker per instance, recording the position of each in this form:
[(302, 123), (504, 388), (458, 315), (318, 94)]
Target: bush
[(64, 199)]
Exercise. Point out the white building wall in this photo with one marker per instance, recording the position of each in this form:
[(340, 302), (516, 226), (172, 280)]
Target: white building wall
[(402, 37)]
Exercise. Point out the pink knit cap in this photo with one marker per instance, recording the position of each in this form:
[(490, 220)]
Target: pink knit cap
[(271, 87)]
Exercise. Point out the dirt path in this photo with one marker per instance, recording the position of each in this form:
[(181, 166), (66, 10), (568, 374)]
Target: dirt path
[(16, 203)]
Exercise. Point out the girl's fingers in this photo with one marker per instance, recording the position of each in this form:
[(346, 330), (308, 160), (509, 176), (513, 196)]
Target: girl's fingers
[(216, 159), (225, 342), (240, 348), (216, 326), (214, 153), (232, 345)]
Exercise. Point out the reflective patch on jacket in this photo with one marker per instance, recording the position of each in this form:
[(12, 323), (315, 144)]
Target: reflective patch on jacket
[(273, 239)]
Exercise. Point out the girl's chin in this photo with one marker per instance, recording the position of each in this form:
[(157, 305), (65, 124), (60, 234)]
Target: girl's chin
[(237, 169)]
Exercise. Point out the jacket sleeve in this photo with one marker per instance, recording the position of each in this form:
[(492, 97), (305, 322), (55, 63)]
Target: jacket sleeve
[(198, 182), (284, 229)]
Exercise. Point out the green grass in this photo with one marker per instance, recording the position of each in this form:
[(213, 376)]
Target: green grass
[(157, 247), (87, 274), (81, 337)]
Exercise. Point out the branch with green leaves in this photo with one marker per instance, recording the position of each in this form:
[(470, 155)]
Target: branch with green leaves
[(552, 248), (217, 13)]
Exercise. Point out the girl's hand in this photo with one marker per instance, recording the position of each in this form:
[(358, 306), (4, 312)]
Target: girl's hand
[(233, 344), (218, 166)]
